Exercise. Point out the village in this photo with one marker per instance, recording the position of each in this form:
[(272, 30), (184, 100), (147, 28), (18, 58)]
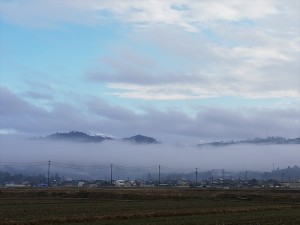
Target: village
[(287, 178), (169, 183)]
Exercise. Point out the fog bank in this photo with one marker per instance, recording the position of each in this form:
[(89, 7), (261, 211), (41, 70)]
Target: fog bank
[(236, 158)]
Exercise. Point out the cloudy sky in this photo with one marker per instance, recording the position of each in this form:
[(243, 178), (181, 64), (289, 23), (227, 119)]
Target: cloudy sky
[(180, 70)]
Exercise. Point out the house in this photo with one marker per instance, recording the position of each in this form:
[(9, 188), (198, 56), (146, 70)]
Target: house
[(292, 184), (15, 185), (120, 183), (81, 184), (183, 182), (147, 184), (130, 183)]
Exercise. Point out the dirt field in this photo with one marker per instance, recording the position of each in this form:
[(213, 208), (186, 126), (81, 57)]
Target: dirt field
[(148, 206)]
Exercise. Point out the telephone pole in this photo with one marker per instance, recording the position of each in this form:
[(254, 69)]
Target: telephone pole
[(158, 174), (111, 175), (196, 176), (49, 163)]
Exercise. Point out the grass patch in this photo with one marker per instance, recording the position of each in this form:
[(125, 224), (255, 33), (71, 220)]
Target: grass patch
[(148, 206)]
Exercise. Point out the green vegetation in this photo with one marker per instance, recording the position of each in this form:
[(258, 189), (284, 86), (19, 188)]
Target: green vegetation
[(148, 206)]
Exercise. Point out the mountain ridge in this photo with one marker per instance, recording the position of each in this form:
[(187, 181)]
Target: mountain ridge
[(78, 136), (257, 141)]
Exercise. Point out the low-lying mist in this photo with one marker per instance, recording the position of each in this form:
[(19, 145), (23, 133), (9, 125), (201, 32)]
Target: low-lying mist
[(234, 158)]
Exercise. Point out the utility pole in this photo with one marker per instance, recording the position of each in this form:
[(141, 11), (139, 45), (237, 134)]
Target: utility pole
[(196, 176), (49, 163), (223, 173), (158, 174), (111, 175)]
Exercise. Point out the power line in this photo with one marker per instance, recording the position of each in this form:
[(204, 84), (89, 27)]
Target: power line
[(70, 165), (134, 167), (175, 169), (65, 165), (23, 164)]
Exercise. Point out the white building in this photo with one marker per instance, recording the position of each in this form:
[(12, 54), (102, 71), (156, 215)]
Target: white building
[(81, 184), (120, 183)]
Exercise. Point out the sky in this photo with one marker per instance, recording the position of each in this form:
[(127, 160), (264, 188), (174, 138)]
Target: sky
[(181, 71)]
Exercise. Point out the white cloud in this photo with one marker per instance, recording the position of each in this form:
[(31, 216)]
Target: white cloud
[(236, 59), (243, 82), (252, 51), (188, 14), (150, 92)]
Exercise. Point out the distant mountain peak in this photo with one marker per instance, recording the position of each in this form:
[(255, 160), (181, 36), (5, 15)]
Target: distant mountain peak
[(77, 136), (141, 139)]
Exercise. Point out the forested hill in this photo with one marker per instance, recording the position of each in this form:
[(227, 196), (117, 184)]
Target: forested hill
[(268, 140), (83, 137)]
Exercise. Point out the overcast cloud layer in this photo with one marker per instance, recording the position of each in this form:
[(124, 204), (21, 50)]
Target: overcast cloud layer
[(182, 71)]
